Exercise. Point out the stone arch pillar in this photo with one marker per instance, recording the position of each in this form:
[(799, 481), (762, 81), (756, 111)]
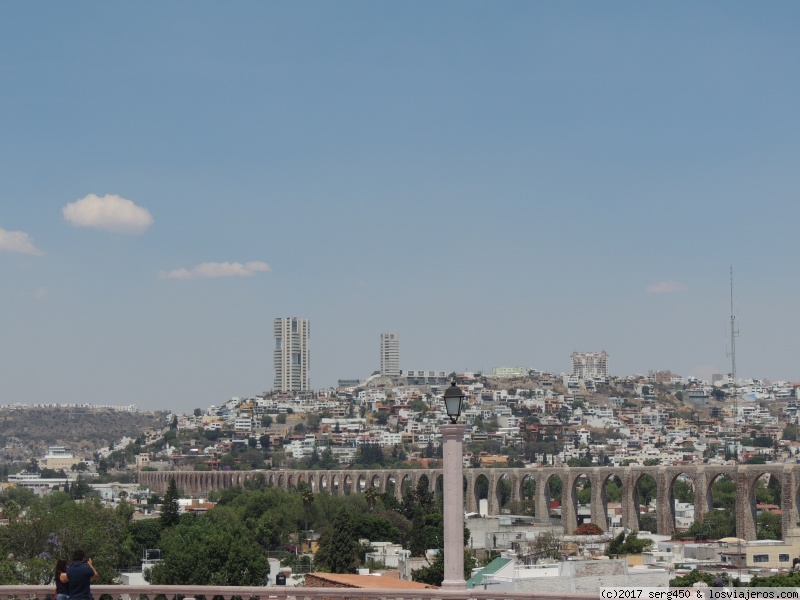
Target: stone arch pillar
[(515, 479), (745, 507), (665, 504), (569, 500), (630, 515), (701, 489), (599, 501), (471, 505), (542, 506), (398, 486), (491, 497), (787, 495)]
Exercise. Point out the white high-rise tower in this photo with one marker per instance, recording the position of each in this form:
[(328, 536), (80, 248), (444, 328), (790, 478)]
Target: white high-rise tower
[(291, 355), (390, 355)]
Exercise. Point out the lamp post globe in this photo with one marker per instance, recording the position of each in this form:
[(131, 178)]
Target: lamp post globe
[(453, 401)]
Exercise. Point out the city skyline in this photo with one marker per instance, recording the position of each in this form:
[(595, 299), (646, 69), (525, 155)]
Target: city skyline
[(500, 185)]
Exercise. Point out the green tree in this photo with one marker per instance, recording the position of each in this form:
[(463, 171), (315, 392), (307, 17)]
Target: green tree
[(648, 521), (646, 489), (630, 544), (56, 526), (504, 492), (417, 543), (327, 461), (281, 419), (338, 545), (308, 498), (433, 574), (691, 578), (371, 496), (79, 488), (683, 491), (615, 546), (230, 554), (313, 421), (723, 493), (614, 490), (716, 524), (137, 537), (22, 497), (250, 459), (768, 526), (791, 432), (756, 459), (780, 580), (170, 509)]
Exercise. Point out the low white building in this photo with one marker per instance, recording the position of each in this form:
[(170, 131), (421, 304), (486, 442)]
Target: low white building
[(566, 577), (387, 553)]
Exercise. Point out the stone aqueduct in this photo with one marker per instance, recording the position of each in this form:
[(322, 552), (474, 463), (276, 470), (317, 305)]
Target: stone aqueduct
[(701, 476)]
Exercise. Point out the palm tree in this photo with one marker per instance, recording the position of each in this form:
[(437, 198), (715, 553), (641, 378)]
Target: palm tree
[(372, 497), (308, 497)]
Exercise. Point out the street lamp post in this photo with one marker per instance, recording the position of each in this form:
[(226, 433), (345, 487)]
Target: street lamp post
[(453, 480)]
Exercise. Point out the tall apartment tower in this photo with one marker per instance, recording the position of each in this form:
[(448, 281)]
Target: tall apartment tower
[(390, 355), (291, 355), (588, 365)]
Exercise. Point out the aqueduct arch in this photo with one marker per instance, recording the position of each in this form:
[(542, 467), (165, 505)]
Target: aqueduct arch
[(538, 479)]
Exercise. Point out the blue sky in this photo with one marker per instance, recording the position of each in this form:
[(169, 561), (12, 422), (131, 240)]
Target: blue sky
[(499, 183)]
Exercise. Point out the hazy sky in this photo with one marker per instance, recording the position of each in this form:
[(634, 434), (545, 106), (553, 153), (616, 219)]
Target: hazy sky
[(501, 183)]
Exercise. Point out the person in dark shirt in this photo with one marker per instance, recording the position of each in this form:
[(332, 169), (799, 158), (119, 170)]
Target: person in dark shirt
[(79, 576), (61, 588)]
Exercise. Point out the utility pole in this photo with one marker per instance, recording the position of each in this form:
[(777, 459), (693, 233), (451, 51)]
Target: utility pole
[(732, 354), (734, 335)]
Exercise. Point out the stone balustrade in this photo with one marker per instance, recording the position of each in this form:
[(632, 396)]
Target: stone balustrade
[(185, 592)]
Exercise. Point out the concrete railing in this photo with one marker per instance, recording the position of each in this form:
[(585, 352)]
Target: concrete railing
[(182, 592)]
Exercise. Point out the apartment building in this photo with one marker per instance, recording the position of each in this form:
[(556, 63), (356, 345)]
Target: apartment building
[(291, 357), (590, 365), (390, 355)]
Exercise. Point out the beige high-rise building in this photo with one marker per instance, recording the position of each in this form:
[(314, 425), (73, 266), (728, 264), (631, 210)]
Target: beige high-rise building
[(291, 355), (390, 355), (590, 365)]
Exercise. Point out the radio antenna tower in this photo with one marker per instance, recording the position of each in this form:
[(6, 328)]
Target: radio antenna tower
[(732, 354)]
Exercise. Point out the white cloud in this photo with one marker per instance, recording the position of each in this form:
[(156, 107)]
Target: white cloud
[(41, 293), (17, 241), (211, 269), (111, 213), (665, 287)]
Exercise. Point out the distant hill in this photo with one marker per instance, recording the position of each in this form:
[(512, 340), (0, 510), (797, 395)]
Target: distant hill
[(28, 432)]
